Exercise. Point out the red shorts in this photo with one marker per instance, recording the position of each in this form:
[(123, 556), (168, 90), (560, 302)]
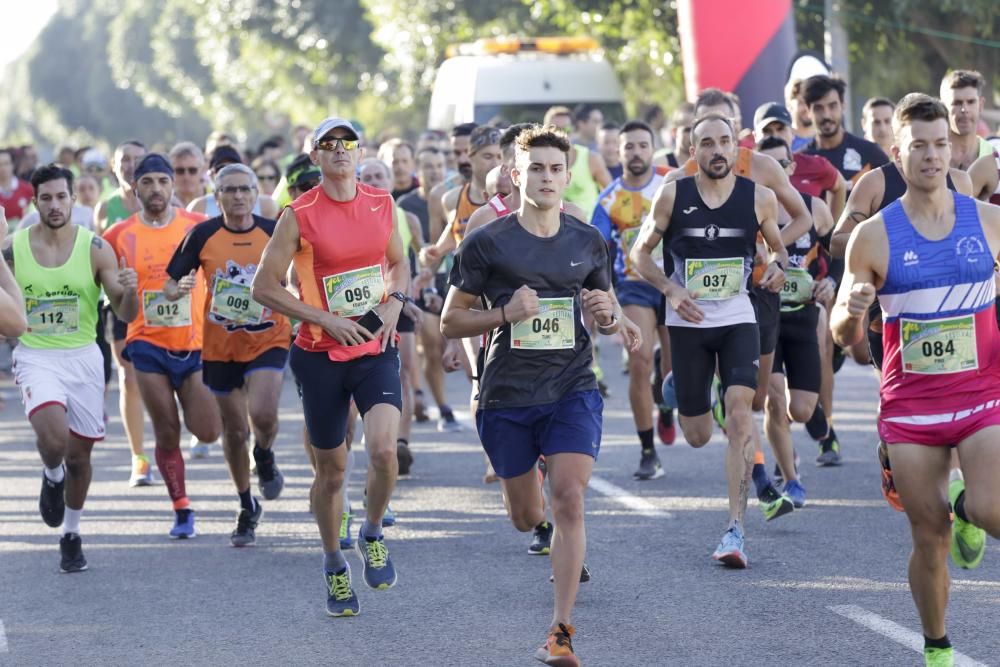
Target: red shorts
[(944, 430)]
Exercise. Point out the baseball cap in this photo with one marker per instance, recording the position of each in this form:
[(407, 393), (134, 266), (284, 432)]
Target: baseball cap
[(770, 112), (483, 136), (154, 163), (224, 155), (332, 123), (94, 158)]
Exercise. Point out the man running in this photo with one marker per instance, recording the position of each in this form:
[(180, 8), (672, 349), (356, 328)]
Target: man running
[(710, 223), (680, 131), (208, 205), (15, 194), (245, 345), (353, 274), (876, 122), (123, 202), (587, 120), (850, 154), (590, 176), (802, 122), (189, 172), (619, 213), (962, 94), (941, 381), (62, 268), (607, 142), (164, 340), (532, 274)]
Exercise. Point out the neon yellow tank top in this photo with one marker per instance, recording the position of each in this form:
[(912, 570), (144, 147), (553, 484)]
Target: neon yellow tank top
[(61, 302), (582, 189)]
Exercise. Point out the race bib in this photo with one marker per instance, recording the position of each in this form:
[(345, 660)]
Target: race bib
[(159, 312), (713, 279), (53, 316), (551, 329), (231, 301), (798, 286), (629, 237), (938, 347), (354, 293)]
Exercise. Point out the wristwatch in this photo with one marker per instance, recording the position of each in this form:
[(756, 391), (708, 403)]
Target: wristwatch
[(613, 322), (403, 299)]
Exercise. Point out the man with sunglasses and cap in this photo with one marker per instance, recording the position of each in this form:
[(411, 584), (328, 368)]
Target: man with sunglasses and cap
[(353, 275), (208, 205)]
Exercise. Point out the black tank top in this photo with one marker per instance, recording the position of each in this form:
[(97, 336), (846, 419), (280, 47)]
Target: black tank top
[(895, 186), (806, 251), (699, 232)]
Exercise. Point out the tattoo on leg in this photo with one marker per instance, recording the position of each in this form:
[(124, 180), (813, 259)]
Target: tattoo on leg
[(744, 491)]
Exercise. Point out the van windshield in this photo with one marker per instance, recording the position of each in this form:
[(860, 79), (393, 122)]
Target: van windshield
[(533, 113)]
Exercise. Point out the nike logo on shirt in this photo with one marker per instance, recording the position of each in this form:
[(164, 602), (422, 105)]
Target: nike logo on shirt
[(575, 263)]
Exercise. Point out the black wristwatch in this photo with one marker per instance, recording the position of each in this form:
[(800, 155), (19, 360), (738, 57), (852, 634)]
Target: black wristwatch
[(403, 299)]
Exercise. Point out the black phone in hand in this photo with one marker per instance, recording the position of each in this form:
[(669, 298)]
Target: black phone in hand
[(371, 321)]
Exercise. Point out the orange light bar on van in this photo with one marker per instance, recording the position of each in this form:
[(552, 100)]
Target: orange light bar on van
[(500, 45)]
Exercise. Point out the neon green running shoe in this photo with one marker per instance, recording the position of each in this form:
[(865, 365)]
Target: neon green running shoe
[(718, 404), (968, 542), (775, 504), (939, 657)]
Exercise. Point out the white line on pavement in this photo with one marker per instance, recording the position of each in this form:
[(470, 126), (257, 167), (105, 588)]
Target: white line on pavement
[(631, 501), (3, 639), (894, 631)]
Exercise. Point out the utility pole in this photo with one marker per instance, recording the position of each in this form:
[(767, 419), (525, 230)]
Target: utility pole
[(835, 51)]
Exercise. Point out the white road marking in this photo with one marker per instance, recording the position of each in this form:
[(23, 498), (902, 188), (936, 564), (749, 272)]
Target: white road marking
[(629, 500), (3, 639), (897, 633)]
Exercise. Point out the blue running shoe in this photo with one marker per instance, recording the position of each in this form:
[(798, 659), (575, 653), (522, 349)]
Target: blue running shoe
[(378, 570), (796, 492), (669, 393), (389, 518), (731, 551), (183, 525), (345, 530), (341, 600)]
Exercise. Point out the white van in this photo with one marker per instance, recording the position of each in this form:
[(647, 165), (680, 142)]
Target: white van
[(519, 79)]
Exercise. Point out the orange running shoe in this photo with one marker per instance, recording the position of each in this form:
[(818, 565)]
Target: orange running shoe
[(888, 487), (558, 649)]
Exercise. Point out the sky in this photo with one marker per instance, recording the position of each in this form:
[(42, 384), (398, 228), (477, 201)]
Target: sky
[(22, 21)]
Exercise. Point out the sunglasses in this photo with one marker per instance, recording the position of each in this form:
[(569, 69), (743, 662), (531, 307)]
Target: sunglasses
[(331, 144), (784, 163), (190, 171), (233, 189)]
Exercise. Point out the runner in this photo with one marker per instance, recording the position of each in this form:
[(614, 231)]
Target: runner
[(15, 194), (607, 139), (13, 321), (802, 122), (850, 154), (189, 168), (962, 94), (619, 213), (222, 156), (587, 121), (350, 262), (400, 156), (710, 224), (62, 269), (939, 389), (590, 176), (431, 171), (876, 122), (164, 341), (245, 345), (797, 356), (539, 395), (680, 131), (122, 204)]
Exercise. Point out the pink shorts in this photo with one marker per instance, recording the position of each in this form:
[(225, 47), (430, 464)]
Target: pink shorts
[(943, 430)]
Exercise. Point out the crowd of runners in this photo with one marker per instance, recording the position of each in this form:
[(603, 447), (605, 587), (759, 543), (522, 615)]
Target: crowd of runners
[(739, 267)]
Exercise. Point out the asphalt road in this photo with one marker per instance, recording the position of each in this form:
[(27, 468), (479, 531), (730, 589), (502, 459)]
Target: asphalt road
[(826, 585)]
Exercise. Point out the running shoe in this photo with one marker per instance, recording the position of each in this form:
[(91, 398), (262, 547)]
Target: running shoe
[(142, 472), (404, 457), (774, 504), (649, 466), (584, 575), (52, 501), (541, 541), (889, 491), (794, 490), (183, 525), (939, 657), (718, 403), (448, 424), (199, 449), (346, 542), (669, 392), (731, 551), (270, 481), (829, 451), (665, 427), (341, 600), (389, 518), (378, 570), (779, 477), (968, 542), (71, 552), (419, 407), (246, 526), (558, 648)]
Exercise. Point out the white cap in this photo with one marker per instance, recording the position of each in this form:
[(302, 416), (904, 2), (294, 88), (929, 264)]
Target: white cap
[(333, 123)]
